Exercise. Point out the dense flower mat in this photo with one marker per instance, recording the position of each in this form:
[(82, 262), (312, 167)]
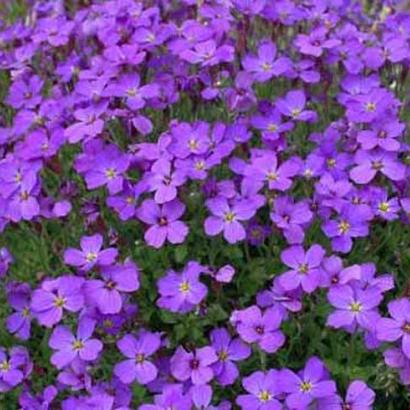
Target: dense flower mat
[(204, 204)]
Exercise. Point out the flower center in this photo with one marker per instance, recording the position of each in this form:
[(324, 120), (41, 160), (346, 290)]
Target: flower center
[(344, 227), (305, 387), (110, 285), (24, 195), (304, 268), (78, 345), (59, 302), (184, 287), (194, 364), (108, 323), (272, 176), (192, 144), (331, 162), (384, 207), (264, 396), (356, 307), (91, 257), (223, 355), (5, 366), (199, 165), (296, 112), (139, 358), (370, 107), (272, 127), (229, 217), (377, 165), (132, 92), (25, 312), (163, 221), (266, 66), (259, 330), (110, 173), (406, 328)]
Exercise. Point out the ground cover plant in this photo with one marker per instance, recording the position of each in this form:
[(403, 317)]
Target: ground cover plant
[(204, 205)]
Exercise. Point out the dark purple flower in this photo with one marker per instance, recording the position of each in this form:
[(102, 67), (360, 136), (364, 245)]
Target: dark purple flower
[(255, 326), (106, 294), (164, 221), (195, 366)]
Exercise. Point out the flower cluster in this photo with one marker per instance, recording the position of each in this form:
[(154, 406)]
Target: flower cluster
[(188, 189)]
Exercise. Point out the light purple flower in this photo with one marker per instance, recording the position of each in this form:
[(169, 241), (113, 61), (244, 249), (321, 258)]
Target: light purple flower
[(306, 268), (90, 254), (69, 347), (195, 366), (181, 292), (255, 326), (164, 222), (54, 296), (227, 218), (138, 349), (228, 351)]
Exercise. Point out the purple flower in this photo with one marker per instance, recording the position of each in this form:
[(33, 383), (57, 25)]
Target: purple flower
[(181, 292), (129, 87), (172, 396), (164, 182), (106, 294), (69, 347), (355, 306), (208, 54), (253, 326), (6, 259), (306, 267), (265, 65), (164, 222), (265, 169), (15, 366), (24, 203), (310, 384), (315, 43), (358, 397), (137, 350), (25, 92), (293, 106), (397, 328), (19, 322), (263, 389), (228, 351), (369, 164), (382, 134), (291, 218), (107, 169), (195, 366), (271, 125), (90, 254), (227, 218), (89, 124), (49, 302), (351, 223)]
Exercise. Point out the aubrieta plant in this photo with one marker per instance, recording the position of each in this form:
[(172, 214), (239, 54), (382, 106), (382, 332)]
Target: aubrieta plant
[(204, 204)]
